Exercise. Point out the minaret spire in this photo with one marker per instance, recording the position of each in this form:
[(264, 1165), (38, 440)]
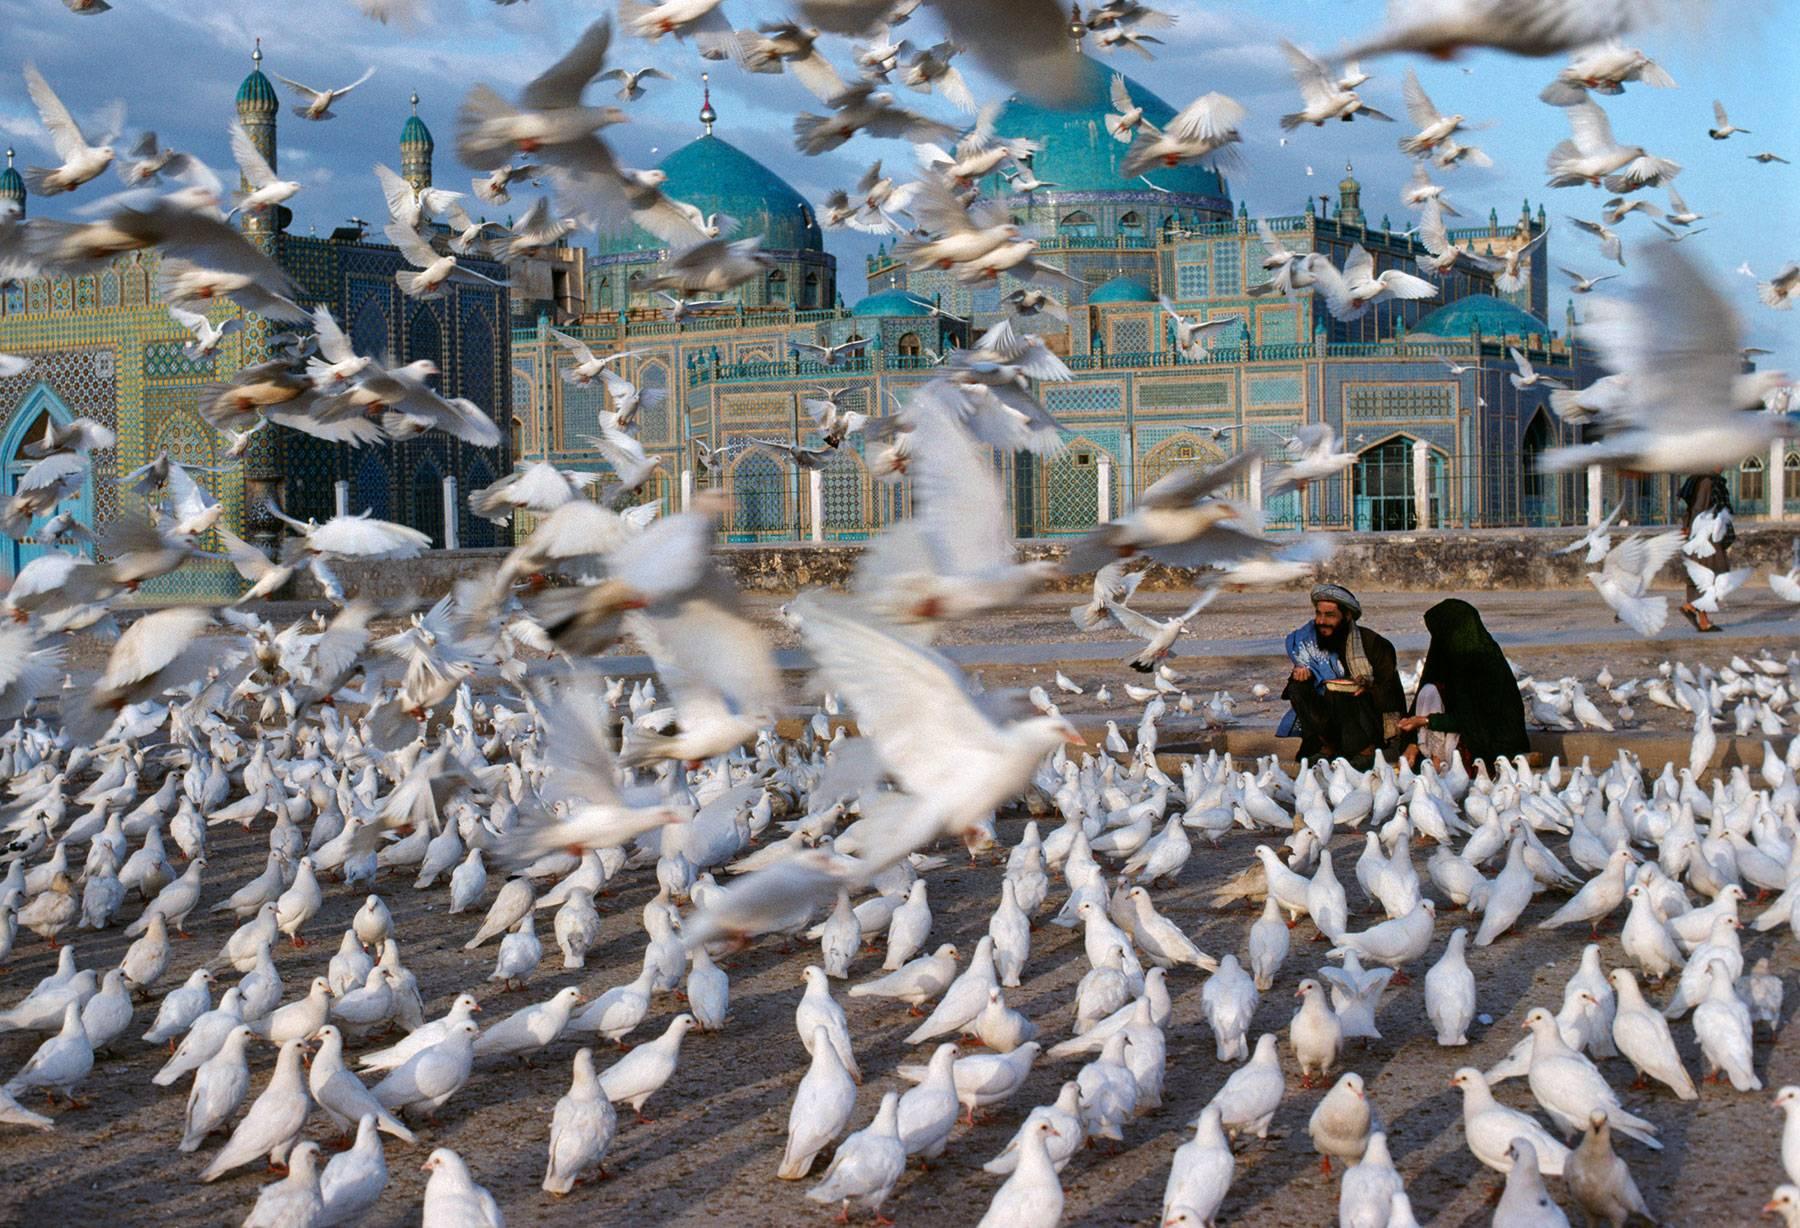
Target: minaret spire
[(708, 116)]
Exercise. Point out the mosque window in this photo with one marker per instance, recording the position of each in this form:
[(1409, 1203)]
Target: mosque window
[(1078, 225), (777, 286), (516, 436), (1790, 478), (1751, 487), (428, 503), (759, 493), (909, 345), (109, 289), (653, 420), (369, 488), (600, 293), (809, 291), (1131, 225)]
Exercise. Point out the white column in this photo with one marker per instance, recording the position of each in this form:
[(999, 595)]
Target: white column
[(815, 498), (450, 510), (340, 498), (1777, 479), (1103, 491), (1596, 494), (1256, 495), (687, 489), (1421, 459)]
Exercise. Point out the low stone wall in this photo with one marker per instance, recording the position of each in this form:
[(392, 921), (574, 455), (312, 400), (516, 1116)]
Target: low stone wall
[(1443, 560)]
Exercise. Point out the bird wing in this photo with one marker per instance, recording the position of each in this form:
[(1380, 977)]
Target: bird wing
[(1121, 93), (1274, 246), (193, 321), (1520, 361), (964, 507), (412, 245), (397, 191), (1677, 340), (332, 342), (1719, 114), (560, 85), (909, 700), (1211, 118), (1360, 266), (295, 85), (1592, 130), (1133, 621), (1419, 107), (186, 497), (581, 350), (367, 73), (1316, 84), (64, 134), (251, 563)]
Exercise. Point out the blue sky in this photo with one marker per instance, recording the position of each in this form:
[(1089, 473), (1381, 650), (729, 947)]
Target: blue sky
[(1742, 53)]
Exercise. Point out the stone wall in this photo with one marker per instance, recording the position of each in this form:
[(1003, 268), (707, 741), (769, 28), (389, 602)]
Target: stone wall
[(1443, 560)]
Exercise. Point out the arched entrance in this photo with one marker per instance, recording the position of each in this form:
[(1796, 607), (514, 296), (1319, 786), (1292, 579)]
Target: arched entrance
[(40, 406), (1382, 486)]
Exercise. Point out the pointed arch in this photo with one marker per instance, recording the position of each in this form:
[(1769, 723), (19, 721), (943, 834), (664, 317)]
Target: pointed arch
[(425, 335), (38, 406), (759, 493), (428, 500), (1381, 484), (1183, 450)]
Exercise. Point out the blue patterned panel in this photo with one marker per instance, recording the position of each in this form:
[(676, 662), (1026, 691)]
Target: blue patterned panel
[(1275, 390), (524, 408), (369, 332), (425, 335), (109, 289), (985, 298), (1196, 253), (1082, 398), (369, 487), (1193, 280), (1131, 336), (653, 422), (476, 367), (1227, 268), (1280, 327), (164, 359), (1254, 254), (581, 415), (1399, 400), (1181, 394)]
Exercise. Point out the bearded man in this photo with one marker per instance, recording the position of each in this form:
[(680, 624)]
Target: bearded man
[(1344, 686)]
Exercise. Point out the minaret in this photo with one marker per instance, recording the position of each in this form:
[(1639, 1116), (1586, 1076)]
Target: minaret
[(1349, 198), (1077, 27), (415, 149), (12, 187), (708, 116), (257, 106)]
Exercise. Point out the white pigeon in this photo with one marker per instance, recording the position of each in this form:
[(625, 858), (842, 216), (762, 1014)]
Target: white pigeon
[(581, 1129)]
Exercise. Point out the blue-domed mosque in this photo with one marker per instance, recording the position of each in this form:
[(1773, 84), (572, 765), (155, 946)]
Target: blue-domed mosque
[(1417, 390), (104, 346)]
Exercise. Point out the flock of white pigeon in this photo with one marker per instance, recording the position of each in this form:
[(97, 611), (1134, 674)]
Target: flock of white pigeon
[(450, 746)]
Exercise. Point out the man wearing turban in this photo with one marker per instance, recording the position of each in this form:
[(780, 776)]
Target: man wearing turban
[(1344, 686)]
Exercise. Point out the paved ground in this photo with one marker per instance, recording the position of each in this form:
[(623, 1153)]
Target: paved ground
[(710, 1154)]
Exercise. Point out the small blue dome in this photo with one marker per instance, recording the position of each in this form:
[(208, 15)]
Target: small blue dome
[(893, 303), (414, 132), (1494, 317), (716, 176), (1123, 290)]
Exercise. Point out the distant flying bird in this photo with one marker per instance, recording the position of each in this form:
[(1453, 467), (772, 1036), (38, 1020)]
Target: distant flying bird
[(1766, 157), (318, 102), (1442, 28), (1722, 125), (1584, 285), (631, 82), (1206, 128), (1592, 155)]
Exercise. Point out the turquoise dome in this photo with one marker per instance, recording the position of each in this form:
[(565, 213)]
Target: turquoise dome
[(1123, 290), (1078, 154), (257, 94), (1494, 317), (12, 184), (414, 132), (893, 303), (716, 176)]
